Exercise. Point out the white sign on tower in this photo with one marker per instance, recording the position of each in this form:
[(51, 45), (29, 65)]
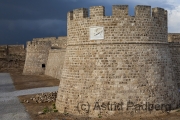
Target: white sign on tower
[(96, 33)]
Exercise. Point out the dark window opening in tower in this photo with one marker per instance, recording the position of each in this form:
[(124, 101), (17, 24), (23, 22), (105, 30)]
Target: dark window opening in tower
[(43, 65)]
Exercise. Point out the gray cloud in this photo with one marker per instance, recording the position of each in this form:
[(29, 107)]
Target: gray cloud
[(22, 20)]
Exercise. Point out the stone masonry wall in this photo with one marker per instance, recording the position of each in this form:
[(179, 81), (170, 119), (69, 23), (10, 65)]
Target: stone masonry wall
[(56, 56), (16, 52), (12, 57), (3, 51), (45, 51), (174, 44), (132, 62), (59, 42), (55, 63), (12, 50), (36, 57)]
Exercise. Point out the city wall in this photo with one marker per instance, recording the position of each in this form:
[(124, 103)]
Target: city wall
[(55, 63), (45, 56), (174, 45), (16, 52), (36, 57), (12, 56), (3, 51), (56, 42)]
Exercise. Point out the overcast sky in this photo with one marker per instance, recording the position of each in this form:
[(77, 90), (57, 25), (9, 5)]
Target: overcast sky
[(23, 20)]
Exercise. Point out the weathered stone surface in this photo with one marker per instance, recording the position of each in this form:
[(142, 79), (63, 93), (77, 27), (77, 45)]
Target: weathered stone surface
[(55, 63), (37, 53), (174, 45), (12, 56), (132, 64)]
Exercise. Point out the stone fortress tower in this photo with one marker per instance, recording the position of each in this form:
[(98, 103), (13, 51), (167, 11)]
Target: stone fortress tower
[(36, 57), (45, 56), (116, 58)]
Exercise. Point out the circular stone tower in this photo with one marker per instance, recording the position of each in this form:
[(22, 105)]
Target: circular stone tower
[(114, 63)]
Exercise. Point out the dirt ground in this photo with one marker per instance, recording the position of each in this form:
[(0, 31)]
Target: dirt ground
[(33, 109), (33, 81), (36, 81), (22, 82)]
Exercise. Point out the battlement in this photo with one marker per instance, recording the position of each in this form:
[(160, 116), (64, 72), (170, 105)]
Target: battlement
[(62, 38), (16, 46), (97, 11), (80, 13), (44, 39), (39, 43), (141, 11), (159, 13), (120, 10)]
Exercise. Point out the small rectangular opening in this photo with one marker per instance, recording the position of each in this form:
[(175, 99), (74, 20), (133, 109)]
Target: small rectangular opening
[(43, 65)]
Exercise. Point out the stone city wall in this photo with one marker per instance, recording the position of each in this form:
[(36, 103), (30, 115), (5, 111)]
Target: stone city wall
[(16, 52), (3, 51), (131, 61), (59, 42), (174, 44), (12, 57), (36, 57), (55, 63), (12, 50)]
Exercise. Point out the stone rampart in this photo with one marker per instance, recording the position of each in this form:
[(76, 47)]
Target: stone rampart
[(36, 57), (12, 57), (42, 56), (3, 51), (174, 45), (55, 63), (16, 52), (59, 42)]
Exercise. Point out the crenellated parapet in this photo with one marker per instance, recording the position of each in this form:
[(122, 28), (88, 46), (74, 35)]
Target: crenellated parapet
[(38, 46), (141, 11), (145, 26), (33, 43), (159, 13), (80, 13), (56, 42), (44, 39), (97, 11), (120, 10)]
